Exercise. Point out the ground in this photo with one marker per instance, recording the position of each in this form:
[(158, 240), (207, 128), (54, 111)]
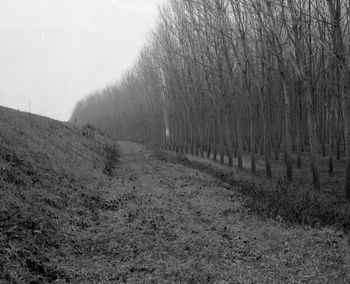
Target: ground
[(167, 223), (148, 219)]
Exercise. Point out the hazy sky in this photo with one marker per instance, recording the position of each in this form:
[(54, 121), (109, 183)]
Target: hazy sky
[(54, 52)]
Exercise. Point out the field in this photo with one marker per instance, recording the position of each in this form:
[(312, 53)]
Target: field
[(79, 209)]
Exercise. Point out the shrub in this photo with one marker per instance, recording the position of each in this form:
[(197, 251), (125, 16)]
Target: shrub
[(112, 154), (88, 130)]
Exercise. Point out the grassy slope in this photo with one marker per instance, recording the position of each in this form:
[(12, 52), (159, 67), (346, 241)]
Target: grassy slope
[(49, 174)]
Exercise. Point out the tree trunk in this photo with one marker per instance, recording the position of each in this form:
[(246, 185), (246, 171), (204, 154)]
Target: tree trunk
[(287, 135), (209, 138), (346, 111), (239, 139), (215, 142), (221, 130), (312, 139), (228, 142), (252, 140), (331, 140)]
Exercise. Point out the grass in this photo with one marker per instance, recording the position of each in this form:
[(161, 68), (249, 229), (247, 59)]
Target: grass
[(50, 176), (169, 223), (63, 219), (292, 202)]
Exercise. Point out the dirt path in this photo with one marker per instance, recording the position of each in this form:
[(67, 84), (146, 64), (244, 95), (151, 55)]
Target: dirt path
[(165, 223)]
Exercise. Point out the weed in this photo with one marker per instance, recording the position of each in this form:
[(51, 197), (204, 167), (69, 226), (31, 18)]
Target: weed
[(112, 154)]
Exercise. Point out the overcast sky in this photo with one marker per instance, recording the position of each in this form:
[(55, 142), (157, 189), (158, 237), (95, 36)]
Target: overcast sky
[(54, 52)]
